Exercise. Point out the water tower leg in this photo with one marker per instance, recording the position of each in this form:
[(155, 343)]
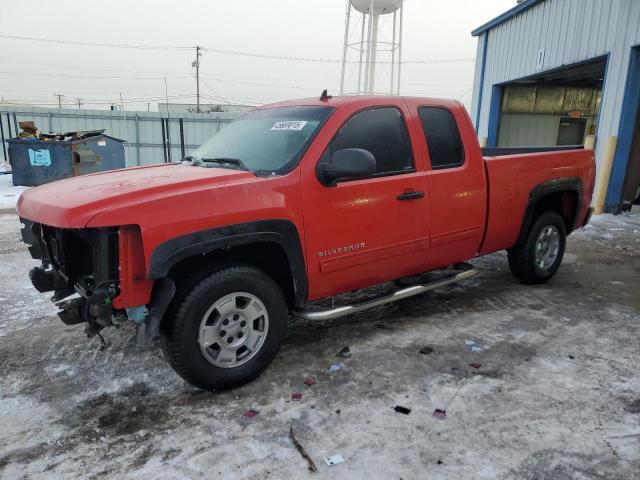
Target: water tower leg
[(346, 46), (367, 66), (364, 22), (393, 54), (374, 51), (400, 46)]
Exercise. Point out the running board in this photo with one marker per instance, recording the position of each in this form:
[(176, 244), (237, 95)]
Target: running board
[(468, 271)]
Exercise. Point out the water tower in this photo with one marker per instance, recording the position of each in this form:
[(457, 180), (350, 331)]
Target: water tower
[(372, 55)]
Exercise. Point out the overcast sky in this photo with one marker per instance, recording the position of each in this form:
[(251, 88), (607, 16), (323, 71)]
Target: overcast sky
[(434, 30)]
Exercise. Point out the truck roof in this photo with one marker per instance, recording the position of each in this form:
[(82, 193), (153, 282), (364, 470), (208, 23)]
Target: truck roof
[(364, 100)]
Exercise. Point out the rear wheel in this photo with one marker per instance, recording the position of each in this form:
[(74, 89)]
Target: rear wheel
[(539, 258), (227, 328)]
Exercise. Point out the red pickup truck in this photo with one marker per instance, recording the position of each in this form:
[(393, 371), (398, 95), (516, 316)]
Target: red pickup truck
[(291, 203)]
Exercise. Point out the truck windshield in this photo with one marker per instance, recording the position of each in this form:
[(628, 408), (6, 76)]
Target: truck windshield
[(263, 141)]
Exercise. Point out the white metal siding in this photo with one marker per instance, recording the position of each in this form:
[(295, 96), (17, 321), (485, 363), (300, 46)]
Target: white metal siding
[(145, 139), (569, 31), (528, 130)]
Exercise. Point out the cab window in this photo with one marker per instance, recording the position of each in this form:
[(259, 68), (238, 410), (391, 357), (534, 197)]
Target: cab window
[(381, 131), (443, 137)]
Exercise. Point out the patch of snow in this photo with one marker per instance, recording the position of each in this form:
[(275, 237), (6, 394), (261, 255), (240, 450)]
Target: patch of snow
[(65, 369), (22, 416), (9, 193)]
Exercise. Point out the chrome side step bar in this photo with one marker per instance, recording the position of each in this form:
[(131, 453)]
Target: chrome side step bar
[(467, 272)]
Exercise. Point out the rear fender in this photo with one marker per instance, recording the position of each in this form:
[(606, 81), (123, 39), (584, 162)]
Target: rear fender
[(539, 192)]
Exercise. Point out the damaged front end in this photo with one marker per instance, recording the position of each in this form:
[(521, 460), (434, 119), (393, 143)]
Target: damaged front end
[(83, 261)]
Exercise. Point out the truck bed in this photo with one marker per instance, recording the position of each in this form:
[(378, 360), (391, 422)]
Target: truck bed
[(512, 178)]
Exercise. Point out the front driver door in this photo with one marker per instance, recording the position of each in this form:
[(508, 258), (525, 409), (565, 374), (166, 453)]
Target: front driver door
[(367, 231)]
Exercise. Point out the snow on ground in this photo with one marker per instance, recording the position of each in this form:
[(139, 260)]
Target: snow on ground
[(8, 192), (556, 395)]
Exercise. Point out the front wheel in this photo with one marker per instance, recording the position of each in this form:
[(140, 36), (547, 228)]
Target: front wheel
[(227, 328), (538, 259)]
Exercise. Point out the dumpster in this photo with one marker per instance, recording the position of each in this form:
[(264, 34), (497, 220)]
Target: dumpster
[(50, 157)]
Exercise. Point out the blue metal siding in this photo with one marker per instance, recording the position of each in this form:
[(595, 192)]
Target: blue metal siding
[(569, 31), (494, 117), (483, 65), (625, 139), (508, 15)]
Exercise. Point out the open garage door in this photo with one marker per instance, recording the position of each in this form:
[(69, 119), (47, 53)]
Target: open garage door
[(558, 107)]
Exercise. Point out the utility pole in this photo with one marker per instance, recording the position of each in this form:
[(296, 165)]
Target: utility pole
[(79, 102), (166, 95), (59, 99), (197, 65)]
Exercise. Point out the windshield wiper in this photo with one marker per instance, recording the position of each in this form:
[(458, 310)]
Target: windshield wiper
[(236, 162)]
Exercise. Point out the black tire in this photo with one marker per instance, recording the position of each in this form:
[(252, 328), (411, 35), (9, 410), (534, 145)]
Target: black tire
[(179, 333), (522, 259)]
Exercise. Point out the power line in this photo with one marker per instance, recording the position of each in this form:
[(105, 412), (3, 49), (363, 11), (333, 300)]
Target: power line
[(223, 51), (106, 77), (260, 84), (102, 101), (95, 44), (465, 93), (97, 101), (85, 68), (228, 100)]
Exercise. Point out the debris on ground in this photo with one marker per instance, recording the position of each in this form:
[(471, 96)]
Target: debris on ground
[(401, 409), (310, 381), (345, 352), (333, 460), (336, 366), (425, 350), (250, 413), (473, 346), (571, 357), (475, 365), (279, 405), (338, 411), (440, 414), (296, 396), (303, 452)]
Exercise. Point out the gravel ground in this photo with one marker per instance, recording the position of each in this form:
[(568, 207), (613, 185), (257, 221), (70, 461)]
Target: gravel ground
[(556, 396)]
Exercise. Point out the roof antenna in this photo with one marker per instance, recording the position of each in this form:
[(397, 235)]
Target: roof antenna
[(325, 96)]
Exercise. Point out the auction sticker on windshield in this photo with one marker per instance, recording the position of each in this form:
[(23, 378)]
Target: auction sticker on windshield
[(290, 125)]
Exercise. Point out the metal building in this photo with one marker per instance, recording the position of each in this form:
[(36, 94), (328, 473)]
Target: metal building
[(554, 72)]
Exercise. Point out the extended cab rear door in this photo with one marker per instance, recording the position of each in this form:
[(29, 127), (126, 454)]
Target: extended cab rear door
[(456, 180), (364, 232)]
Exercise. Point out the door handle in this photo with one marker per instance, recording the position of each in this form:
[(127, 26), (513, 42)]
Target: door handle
[(410, 195)]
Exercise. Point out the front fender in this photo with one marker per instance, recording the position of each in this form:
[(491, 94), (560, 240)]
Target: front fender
[(283, 232)]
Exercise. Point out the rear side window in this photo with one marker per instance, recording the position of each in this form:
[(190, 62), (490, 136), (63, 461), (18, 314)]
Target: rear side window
[(443, 137), (381, 131)]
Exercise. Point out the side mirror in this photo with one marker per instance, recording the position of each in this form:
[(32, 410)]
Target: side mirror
[(347, 164)]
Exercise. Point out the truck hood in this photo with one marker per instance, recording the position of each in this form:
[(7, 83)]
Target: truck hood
[(73, 202)]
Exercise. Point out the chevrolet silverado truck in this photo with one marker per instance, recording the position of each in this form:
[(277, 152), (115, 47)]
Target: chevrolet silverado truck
[(292, 203)]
